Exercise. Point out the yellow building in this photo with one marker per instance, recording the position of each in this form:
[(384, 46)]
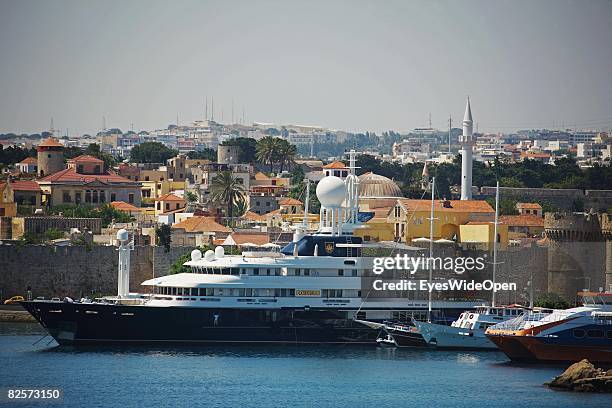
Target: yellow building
[(479, 235), (404, 219), (8, 206)]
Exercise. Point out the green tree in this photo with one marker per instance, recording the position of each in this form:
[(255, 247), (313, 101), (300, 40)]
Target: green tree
[(267, 151), (163, 236), (286, 153), (227, 190), (297, 175), (191, 197), (205, 154), (151, 152), (551, 301)]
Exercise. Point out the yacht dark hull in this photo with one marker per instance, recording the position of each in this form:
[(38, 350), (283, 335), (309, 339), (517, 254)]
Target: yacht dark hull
[(90, 324), (405, 338)]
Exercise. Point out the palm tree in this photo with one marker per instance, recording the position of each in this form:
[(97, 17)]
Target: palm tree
[(226, 189), (286, 154), (267, 150)]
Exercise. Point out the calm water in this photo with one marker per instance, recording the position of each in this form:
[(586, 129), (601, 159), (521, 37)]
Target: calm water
[(283, 376)]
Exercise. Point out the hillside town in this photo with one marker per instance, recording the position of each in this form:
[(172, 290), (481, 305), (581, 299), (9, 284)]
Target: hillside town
[(210, 184)]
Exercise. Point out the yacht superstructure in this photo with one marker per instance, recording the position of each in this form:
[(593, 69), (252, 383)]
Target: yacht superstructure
[(310, 292)]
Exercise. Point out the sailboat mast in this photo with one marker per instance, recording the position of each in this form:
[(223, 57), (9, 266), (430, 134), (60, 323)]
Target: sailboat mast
[(495, 239), (431, 220)]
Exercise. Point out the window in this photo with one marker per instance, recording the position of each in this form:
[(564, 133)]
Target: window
[(97, 169), (80, 168), (48, 156), (146, 178), (595, 333), (102, 196), (94, 196), (340, 272), (578, 333), (113, 197), (255, 271), (77, 197), (66, 197), (131, 198), (177, 206), (267, 203), (87, 196)]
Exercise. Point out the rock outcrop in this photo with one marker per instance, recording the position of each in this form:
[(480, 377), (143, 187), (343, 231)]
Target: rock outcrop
[(583, 377)]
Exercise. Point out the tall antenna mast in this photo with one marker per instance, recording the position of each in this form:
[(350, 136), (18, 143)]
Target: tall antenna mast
[(430, 263), (206, 109), (51, 129), (450, 126), (430, 120), (104, 123), (212, 115), (495, 240)]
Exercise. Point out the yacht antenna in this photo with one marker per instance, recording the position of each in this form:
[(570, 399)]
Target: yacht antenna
[(306, 203), (495, 240), (431, 228)]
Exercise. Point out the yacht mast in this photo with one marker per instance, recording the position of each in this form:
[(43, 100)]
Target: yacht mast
[(431, 221), (495, 239), (306, 203)]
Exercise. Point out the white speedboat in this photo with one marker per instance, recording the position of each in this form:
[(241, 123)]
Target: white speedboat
[(468, 332)]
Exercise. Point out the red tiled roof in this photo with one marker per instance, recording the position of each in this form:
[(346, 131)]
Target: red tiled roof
[(250, 215), (169, 197), (257, 239), (70, 175), (29, 160), (201, 224), (289, 201), (86, 158), (123, 206), (25, 185), (529, 206), (522, 220), (335, 165), (178, 210), (469, 206), (51, 142)]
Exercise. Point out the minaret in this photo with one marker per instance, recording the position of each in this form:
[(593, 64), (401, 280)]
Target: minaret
[(467, 142)]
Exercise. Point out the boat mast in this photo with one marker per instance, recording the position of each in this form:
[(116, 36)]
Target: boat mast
[(495, 240), (431, 221), (306, 203)]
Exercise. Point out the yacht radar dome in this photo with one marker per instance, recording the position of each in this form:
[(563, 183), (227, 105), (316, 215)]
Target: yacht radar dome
[(122, 235), (331, 191), (219, 252), (209, 255), (196, 255)]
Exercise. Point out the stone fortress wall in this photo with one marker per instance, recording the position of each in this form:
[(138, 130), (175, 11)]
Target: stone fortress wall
[(74, 270)]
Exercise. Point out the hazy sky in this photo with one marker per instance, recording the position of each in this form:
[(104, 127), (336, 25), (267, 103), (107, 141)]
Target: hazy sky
[(354, 65)]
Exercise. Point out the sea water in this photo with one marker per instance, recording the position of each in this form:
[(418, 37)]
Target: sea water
[(274, 376)]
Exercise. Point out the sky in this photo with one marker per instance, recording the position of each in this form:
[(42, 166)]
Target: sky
[(350, 65)]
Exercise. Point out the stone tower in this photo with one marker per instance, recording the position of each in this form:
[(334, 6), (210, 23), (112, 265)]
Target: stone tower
[(576, 253), (50, 157), (467, 143), (228, 154)]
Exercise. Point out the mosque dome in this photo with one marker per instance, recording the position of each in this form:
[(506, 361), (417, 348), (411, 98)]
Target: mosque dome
[(375, 185)]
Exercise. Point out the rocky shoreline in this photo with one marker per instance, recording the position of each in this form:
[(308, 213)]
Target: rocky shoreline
[(583, 377)]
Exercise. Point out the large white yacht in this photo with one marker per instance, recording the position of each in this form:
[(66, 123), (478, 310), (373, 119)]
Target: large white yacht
[(309, 292)]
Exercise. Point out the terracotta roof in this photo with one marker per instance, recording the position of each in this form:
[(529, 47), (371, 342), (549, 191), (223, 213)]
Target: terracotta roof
[(533, 155), (272, 213), (29, 160), (25, 185), (257, 239), (289, 201), (71, 175), (123, 206), (380, 212), (178, 210), (469, 206), (169, 197), (250, 215), (261, 176), (522, 220), (529, 206), (51, 142), (86, 158), (201, 224), (335, 165)]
